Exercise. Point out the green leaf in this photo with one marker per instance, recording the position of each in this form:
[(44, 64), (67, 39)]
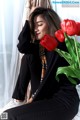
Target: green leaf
[(70, 46), (77, 50), (72, 80), (72, 57), (69, 71)]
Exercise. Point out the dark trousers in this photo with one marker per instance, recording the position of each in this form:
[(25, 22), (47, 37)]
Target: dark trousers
[(42, 110)]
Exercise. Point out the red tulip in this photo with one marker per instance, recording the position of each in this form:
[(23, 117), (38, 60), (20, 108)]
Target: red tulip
[(63, 25), (69, 26), (60, 35), (49, 42), (78, 27)]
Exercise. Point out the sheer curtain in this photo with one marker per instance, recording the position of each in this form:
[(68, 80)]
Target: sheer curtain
[(11, 12)]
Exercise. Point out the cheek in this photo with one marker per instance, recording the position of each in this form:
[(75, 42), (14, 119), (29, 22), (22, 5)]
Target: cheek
[(45, 29)]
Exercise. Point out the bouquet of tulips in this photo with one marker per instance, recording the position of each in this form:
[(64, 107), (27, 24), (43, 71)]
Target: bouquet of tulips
[(70, 29)]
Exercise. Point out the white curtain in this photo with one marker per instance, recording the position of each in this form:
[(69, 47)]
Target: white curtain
[(12, 17), (11, 12)]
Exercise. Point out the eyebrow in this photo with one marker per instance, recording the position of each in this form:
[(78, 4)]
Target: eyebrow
[(38, 21)]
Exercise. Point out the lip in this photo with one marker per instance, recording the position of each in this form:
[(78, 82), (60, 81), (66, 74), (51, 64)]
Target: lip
[(37, 34)]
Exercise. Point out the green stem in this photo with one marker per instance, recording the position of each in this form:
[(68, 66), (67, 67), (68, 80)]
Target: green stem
[(77, 52)]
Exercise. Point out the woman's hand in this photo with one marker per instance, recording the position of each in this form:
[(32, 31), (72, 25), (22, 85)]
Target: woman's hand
[(34, 4), (29, 101), (32, 9)]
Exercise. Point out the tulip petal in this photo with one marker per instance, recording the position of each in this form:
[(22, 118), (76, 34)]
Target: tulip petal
[(49, 42)]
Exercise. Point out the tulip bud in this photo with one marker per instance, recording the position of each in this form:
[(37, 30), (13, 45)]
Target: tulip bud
[(60, 35), (69, 26), (49, 42)]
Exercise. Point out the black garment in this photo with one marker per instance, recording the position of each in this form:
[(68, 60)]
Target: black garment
[(23, 80), (53, 100)]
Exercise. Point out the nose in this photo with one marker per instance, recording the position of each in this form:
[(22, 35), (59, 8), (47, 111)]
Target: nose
[(36, 29)]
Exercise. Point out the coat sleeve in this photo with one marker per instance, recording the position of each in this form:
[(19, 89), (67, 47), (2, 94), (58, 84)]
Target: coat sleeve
[(24, 45)]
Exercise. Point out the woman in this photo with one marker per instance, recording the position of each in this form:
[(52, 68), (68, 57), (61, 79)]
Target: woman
[(20, 91), (23, 80), (50, 100)]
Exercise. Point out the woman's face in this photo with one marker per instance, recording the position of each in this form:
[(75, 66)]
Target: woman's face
[(41, 27)]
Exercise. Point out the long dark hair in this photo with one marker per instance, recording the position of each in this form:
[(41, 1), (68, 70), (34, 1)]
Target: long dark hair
[(51, 17)]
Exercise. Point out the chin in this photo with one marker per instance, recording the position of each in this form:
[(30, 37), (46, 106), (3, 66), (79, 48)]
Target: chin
[(39, 37)]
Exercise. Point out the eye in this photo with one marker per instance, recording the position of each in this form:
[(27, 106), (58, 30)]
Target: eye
[(40, 24)]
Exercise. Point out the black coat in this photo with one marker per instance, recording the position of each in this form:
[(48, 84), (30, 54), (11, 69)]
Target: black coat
[(50, 84), (51, 95)]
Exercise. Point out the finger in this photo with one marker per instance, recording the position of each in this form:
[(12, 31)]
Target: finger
[(34, 3), (29, 2), (37, 3), (30, 100), (40, 3), (49, 4)]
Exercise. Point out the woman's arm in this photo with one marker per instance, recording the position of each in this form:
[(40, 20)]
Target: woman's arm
[(25, 45)]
